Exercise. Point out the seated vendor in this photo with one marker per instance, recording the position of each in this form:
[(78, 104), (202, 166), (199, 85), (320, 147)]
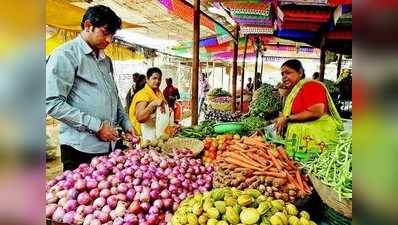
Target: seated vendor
[(309, 113), (143, 107)]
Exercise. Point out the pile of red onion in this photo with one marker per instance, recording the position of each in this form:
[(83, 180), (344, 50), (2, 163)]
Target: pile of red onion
[(125, 188)]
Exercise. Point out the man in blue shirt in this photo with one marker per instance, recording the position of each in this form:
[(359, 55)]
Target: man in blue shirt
[(81, 92)]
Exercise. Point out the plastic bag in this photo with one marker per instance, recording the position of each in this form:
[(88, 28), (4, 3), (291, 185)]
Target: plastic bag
[(163, 120)]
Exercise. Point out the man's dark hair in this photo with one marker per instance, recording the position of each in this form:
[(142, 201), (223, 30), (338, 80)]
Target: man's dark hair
[(102, 16), (169, 80), (136, 75), (249, 78), (153, 70), (315, 75), (295, 65)]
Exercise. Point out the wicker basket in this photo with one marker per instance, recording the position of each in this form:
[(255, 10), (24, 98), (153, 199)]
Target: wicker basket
[(331, 198), (221, 106), (195, 145)]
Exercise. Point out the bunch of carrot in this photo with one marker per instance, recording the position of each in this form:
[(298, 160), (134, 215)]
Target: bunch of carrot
[(266, 163)]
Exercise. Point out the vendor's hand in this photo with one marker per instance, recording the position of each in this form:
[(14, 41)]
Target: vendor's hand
[(107, 132), (157, 103), (280, 125), (129, 134)]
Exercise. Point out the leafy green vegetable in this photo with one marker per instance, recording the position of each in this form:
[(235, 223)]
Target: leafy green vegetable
[(266, 104), (218, 92)]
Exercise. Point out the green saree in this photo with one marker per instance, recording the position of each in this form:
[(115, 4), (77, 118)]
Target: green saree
[(318, 133)]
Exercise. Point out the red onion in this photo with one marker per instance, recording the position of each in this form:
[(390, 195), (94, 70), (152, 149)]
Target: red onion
[(106, 209), (94, 193), (58, 215), (83, 198), (76, 176), (138, 174), (152, 219), (51, 198), (138, 188), (195, 185), (72, 193), (80, 185), (202, 189), (69, 217), (165, 194), (68, 183), (104, 193), (112, 201), (99, 203), (136, 181), (103, 184), (115, 181), (163, 164), (172, 188), (80, 209), (146, 182), (88, 210), (95, 222), (186, 184), (134, 207), (78, 218), (182, 196), (96, 213), (130, 194), (122, 188), (62, 202), (154, 194), (112, 214), (62, 194), (145, 206), (88, 219), (50, 209), (131, 219), (158, 203), (103, 217), (129, 179), (167, 203), (153, 210), (70, 205), (121, 197), (114, 190), (91, 183), (155, 185), (163, 183), (118, 220)]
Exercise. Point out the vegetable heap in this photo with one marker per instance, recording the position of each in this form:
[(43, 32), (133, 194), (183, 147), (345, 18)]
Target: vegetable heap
[(225, 206), (215, 146), (224, 116), (252, 123), (265, 105), (334, 166), (218, 92), (251, 163), (205, 129), (133, 187)]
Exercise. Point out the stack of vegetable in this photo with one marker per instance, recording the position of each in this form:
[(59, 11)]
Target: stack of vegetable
[(213, 146), (265, 104), (218, 92), (225, 116), (251, 163), (223, 103), (334, 166), (205, 129), (135, 187), (232, 206)]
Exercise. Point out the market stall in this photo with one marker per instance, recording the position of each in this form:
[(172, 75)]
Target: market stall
[(230, 167)]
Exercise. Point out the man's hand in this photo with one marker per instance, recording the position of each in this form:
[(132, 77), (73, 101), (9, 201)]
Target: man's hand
[(280, 125), (129, 134), (107, 132)]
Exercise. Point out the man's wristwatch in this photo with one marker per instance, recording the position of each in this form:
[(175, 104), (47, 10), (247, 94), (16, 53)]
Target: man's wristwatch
[(288, 119)]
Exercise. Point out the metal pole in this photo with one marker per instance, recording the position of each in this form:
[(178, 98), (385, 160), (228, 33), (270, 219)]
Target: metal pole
[(235, 69), (242, 82), (323, 58), (339, 65), (195, 62), (256, 65)]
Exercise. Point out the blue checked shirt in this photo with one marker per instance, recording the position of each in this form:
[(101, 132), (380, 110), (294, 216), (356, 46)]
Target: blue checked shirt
[(81, 93)]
